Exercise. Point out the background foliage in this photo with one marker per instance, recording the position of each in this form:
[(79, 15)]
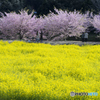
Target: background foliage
[(43, 6)]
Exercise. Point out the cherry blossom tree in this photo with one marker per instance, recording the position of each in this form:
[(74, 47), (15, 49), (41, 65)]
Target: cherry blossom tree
[(13, 25), (96, 22), (54, 26), (63, 24)]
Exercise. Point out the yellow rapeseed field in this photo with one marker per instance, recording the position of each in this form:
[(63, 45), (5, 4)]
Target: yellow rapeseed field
[(37, 71)]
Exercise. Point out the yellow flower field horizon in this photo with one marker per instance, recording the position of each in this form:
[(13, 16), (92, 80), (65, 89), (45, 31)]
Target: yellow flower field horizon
[(37, 71)]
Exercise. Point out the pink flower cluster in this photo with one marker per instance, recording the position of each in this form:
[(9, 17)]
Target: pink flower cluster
[(54, 26)]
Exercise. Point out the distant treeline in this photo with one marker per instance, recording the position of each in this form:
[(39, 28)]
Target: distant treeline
[(43, 6)]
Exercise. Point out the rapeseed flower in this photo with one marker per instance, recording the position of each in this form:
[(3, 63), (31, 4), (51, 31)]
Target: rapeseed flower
[(44, 71)]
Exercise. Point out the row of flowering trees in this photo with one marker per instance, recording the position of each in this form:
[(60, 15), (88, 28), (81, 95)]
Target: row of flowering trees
[(54, 26)]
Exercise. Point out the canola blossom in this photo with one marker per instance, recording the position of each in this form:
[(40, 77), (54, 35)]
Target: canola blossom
[(37, 71)]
